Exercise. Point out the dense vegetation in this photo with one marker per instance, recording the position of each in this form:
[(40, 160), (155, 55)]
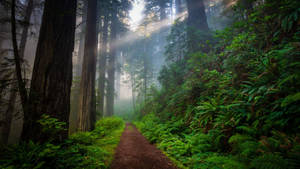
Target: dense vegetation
[(93, 149), (215, 84), (237, 105)]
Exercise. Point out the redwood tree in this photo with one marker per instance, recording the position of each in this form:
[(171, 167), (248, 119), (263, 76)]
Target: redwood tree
[(197, 16), (179, 8), (78, 69), (52, 72), (87, 99), (102, 65), (198, 31), (111, 63)]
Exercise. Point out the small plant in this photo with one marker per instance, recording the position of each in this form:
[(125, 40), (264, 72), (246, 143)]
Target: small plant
[(51, 125)]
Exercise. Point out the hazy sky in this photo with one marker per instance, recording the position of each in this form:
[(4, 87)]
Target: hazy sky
[(136, 14)]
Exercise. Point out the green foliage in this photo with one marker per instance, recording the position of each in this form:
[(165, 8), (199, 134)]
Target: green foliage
[(290, 99), (269, 161), (51, 125), (236, 105), (221, 162), (82, 150)]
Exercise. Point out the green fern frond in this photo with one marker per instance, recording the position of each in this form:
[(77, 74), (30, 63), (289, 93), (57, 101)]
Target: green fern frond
[(239, 138), (247, 129), (269, 161), (290, 99), (223, 162)]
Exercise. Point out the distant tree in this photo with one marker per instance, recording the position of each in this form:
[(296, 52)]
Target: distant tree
[(197, 17), (157, 7), (82, 12), (179, 8), (118, 13), (197, 24), (111, 62), (102, 64), (87, 99), (13, 94), (81, 38)]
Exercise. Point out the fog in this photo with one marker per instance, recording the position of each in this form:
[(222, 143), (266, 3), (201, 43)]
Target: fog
[(140, 49), (144, 27)]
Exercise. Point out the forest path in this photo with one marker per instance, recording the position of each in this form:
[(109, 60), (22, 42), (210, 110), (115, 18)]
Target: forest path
[(135, 152)]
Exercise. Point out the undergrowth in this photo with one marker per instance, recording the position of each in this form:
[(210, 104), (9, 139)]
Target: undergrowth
[(93, 149), (236, 106)]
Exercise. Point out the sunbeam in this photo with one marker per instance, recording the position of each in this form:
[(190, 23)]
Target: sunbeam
[(147, 30)]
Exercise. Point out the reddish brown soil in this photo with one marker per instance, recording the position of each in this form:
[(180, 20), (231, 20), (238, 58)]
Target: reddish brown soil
[(135, 152)]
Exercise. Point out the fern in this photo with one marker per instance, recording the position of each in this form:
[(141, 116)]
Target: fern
[(238, 138), (294, 157), (290, 99), (248, 130), (269, 161), (223, 162)]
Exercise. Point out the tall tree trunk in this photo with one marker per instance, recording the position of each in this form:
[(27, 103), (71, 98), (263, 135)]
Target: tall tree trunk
[(102, 67), (118, 74), (24, 35), (87, 105), (82, 39), (78, 69), (145, 73), (132, 90), (52, 72), (13, 94), (17, 59), (111, 67), (197, 26), (197, 17), (179, 8), (162, 9)]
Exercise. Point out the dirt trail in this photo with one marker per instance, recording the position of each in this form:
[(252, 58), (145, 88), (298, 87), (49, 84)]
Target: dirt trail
[(135, 152)]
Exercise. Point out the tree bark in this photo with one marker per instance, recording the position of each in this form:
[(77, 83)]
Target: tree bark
[(198, 31), (82, 39), (118, 74), (111, 67), (87, 99), (102, 67), (132, 90), (20, 82), (162, 9), (13, 93), (196, 15), (76, 89), (24, 35), (52, 72), (145, 73), (179, 8)]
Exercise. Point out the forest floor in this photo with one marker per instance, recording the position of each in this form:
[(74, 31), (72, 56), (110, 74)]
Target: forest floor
[(135, 152)]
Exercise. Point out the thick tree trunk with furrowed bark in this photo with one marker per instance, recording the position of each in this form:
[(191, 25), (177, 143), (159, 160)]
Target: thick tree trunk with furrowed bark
[(52, 73)]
